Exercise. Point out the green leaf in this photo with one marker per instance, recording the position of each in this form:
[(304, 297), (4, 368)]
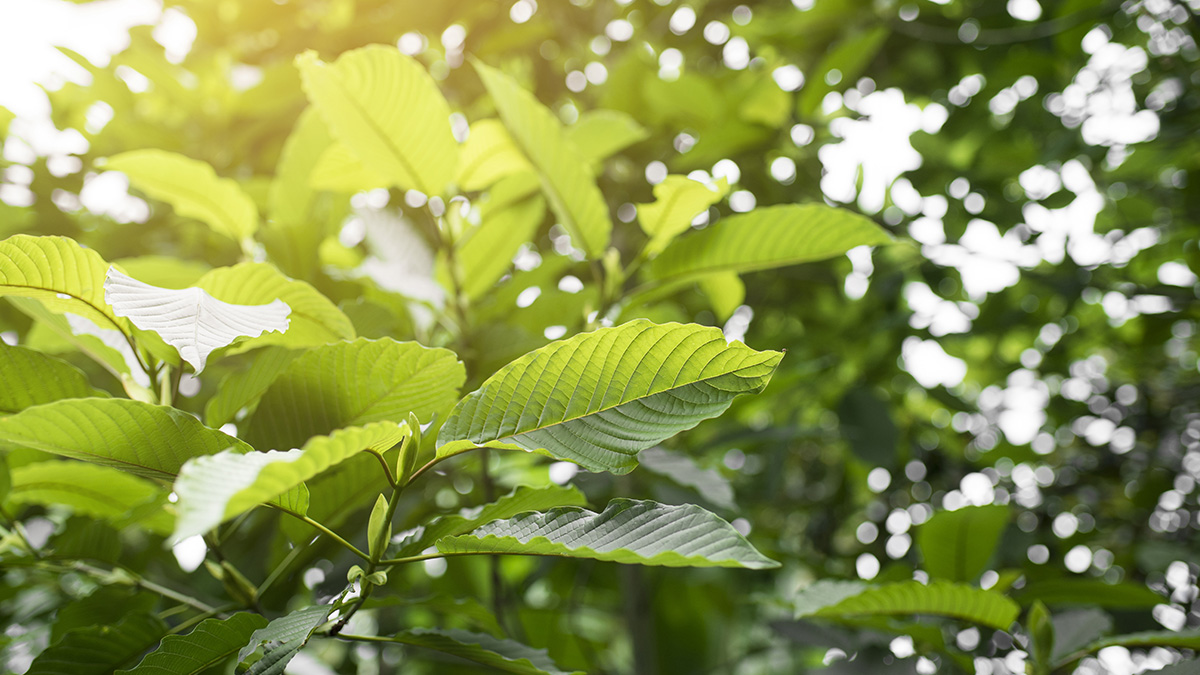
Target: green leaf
[(488, 156), (725, 292), (709, 483), (351, 384), (60, 333), (100, 650), (242, 388), (384, 106), (1076, 592), (566, 178), (1041, 631), (192, 188), (627, 531), (1186, 639), (291, 199), (772, 236), (1075, 630), (147, 440), (957, 545), (60, 274), (189, 319), (865, 418), (600, 134), (213, 489), (520, 500), (376, 525), (849, 57), (107, 605), (599, 398), (208, 645), (958, 601), (90, 490), (162, 270), (677, 202), (284, 637), (340, 170), (315, 320), (32, 378), (503, 655), (487, 255)]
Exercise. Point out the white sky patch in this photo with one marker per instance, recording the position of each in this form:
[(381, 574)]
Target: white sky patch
[(930, 365), (1100, 99), (940, 316), (1023, 409), (987, 261), (878, 142)]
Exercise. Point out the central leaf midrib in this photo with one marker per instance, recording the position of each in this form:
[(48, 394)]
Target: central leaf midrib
[(618, 405)]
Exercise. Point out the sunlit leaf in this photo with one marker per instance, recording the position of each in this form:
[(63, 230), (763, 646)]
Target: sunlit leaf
[(143, 439), (726, 292), (90, 490), (340, 170), (677, 202), (845, 601), (242, 389), (31, 378), (488, 156), (627, 531), (190, 319), (765, 238), (680, 468), (192, 188), (384, 107), (600, 134), (60, 274), (566, 178), (208, 645), (957, 545), (599, 398)]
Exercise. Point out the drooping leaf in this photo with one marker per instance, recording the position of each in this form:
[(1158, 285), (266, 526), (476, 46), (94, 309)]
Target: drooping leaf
[(953, 600), (388, 110), (162, 270), (192, 188), (772, 236), (503, 655), (709, 483), (60, 274), (147, 440), (600, 134), (488, 156), (677, 202), (487, 254), (315, 320), (1041, 633), (31, 378), (284, 637), (242, 388), (190, 319), (65, 333), (599, 398), (90, 490), (213, 489), (100, 650), (957, 545), (351, 384), (627, 531), (520, 500), (725, 292), (566, 178), (208, 645)]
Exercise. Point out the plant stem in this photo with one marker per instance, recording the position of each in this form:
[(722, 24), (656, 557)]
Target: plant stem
[(324, 530), (387, 470), (377, 549), (142, 582)]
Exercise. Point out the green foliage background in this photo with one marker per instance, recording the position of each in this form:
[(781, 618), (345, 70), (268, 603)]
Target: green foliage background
[(844, 460)]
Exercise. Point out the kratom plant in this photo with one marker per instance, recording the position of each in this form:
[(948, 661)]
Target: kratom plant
[(312, 421)]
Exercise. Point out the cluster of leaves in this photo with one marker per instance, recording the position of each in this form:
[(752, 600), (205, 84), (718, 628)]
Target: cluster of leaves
[(273, 361)]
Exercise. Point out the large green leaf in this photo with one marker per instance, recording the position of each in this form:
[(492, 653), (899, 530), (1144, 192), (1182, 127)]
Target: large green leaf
[(566, 178), (957, 545), (242, 389), (192, 188), (504, 226), (388, 110), (1083, 592), (31, 378), (60, 274), (504, 655), (520, 500), (850, 600), (208, 645), (488, 156), (599, 134), (283, 637), (100, 650), (189, 319), (215, 488), (677, 202), (768, 237), (90, 490), (315, 320), (599, 398), (351, 384), (147, 440), (63, 333), (627, 531)]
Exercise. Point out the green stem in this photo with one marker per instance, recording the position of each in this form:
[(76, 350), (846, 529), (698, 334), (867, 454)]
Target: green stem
[(387, 470), (324, 530), (279, 570), (142, 582)]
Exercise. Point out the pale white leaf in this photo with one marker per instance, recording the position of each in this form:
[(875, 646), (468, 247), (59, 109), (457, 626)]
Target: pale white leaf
[(190, 319)]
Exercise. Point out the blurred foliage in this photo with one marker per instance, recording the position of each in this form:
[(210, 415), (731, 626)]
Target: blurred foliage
[(1042, 242)]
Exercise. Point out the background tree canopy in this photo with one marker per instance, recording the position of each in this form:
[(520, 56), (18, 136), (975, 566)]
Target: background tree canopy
[(980, 453)]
